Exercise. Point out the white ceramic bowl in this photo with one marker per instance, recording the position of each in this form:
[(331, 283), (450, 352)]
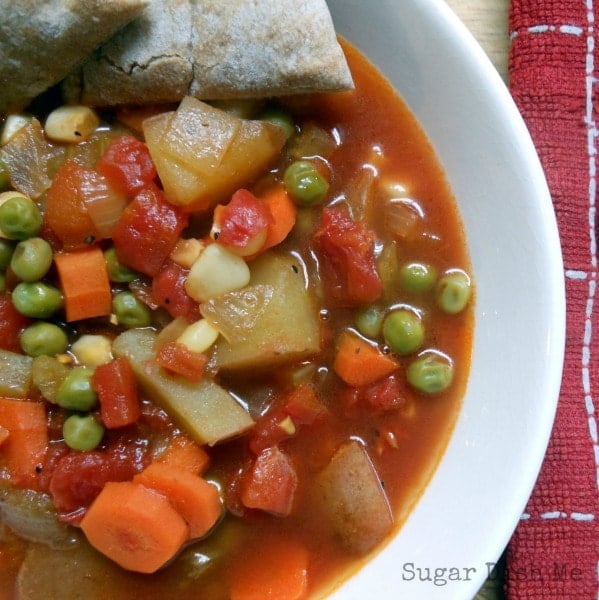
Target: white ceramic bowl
[(472, 505)]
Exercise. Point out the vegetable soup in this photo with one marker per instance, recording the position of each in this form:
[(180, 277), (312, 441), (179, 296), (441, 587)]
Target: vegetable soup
[(234, 338)]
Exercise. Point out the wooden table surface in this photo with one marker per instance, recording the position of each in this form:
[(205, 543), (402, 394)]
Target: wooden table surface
[(488, 21)]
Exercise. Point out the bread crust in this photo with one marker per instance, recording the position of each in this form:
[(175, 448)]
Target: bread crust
[(43, 40), (212, 50)]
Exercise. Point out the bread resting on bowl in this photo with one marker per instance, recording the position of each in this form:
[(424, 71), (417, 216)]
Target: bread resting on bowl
[(42, 40), (212, 49)]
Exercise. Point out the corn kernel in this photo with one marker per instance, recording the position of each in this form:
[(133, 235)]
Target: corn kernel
[(65, 359), (287, 425), (198, 336), (216, 272), (186, 252), (71, 124), (92, 350)]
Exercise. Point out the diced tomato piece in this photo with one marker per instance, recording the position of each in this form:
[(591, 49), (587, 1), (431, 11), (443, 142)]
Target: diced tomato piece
[(299, 407), (147, 231), (346, 252), (78, 477), (128, 453), (179, 359), (126, 162), (66, 210), (56, 451), (168, 291), (116, 387), (156, 418), (269, 431), (12, 323), (388, 393), (385, 394), (271, 483), (244, 222), (304, 406)]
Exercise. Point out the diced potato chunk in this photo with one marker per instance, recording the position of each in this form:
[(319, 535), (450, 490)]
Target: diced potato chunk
[(353, 500), (203, 154), (281, 328), (206, 411)]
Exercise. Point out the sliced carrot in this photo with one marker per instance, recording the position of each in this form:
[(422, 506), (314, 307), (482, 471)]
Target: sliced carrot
[(179, 359), (135, 526), (85, 283), (283, 211), (184, 453), (194, 498), (4, 433), (275, 571), (25, 447), (359, 362)]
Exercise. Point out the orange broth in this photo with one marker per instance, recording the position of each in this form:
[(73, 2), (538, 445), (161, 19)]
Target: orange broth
[(377, 134)]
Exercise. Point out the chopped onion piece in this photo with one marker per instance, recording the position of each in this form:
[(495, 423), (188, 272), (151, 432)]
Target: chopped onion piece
[(360, 192), (104, 204), (31, 160), (313, 142), (32, 516), (402, 217)]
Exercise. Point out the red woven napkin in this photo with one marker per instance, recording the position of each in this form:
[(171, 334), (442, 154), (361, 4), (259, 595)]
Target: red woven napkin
[(554, 64)]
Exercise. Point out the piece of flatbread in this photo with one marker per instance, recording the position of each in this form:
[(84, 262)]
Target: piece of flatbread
[(215, 49), (43, 40)]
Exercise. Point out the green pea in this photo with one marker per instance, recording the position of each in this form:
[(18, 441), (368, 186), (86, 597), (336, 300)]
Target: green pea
[(7, 247), (20, 218), (453, 291), (31, 259), (117, 271), (305, 183), (403, 331), (430, 373), (36, 299), (417, 278), (76, 392), (43, 339), (283, 119), (369, 321), (130, 311), (82, 432), (4, 176)]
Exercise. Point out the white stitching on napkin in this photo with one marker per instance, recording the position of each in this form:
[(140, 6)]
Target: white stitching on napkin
[(566, 29), (559, 514)]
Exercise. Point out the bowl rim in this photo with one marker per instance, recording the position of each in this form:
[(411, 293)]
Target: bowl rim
[(419, 45)]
